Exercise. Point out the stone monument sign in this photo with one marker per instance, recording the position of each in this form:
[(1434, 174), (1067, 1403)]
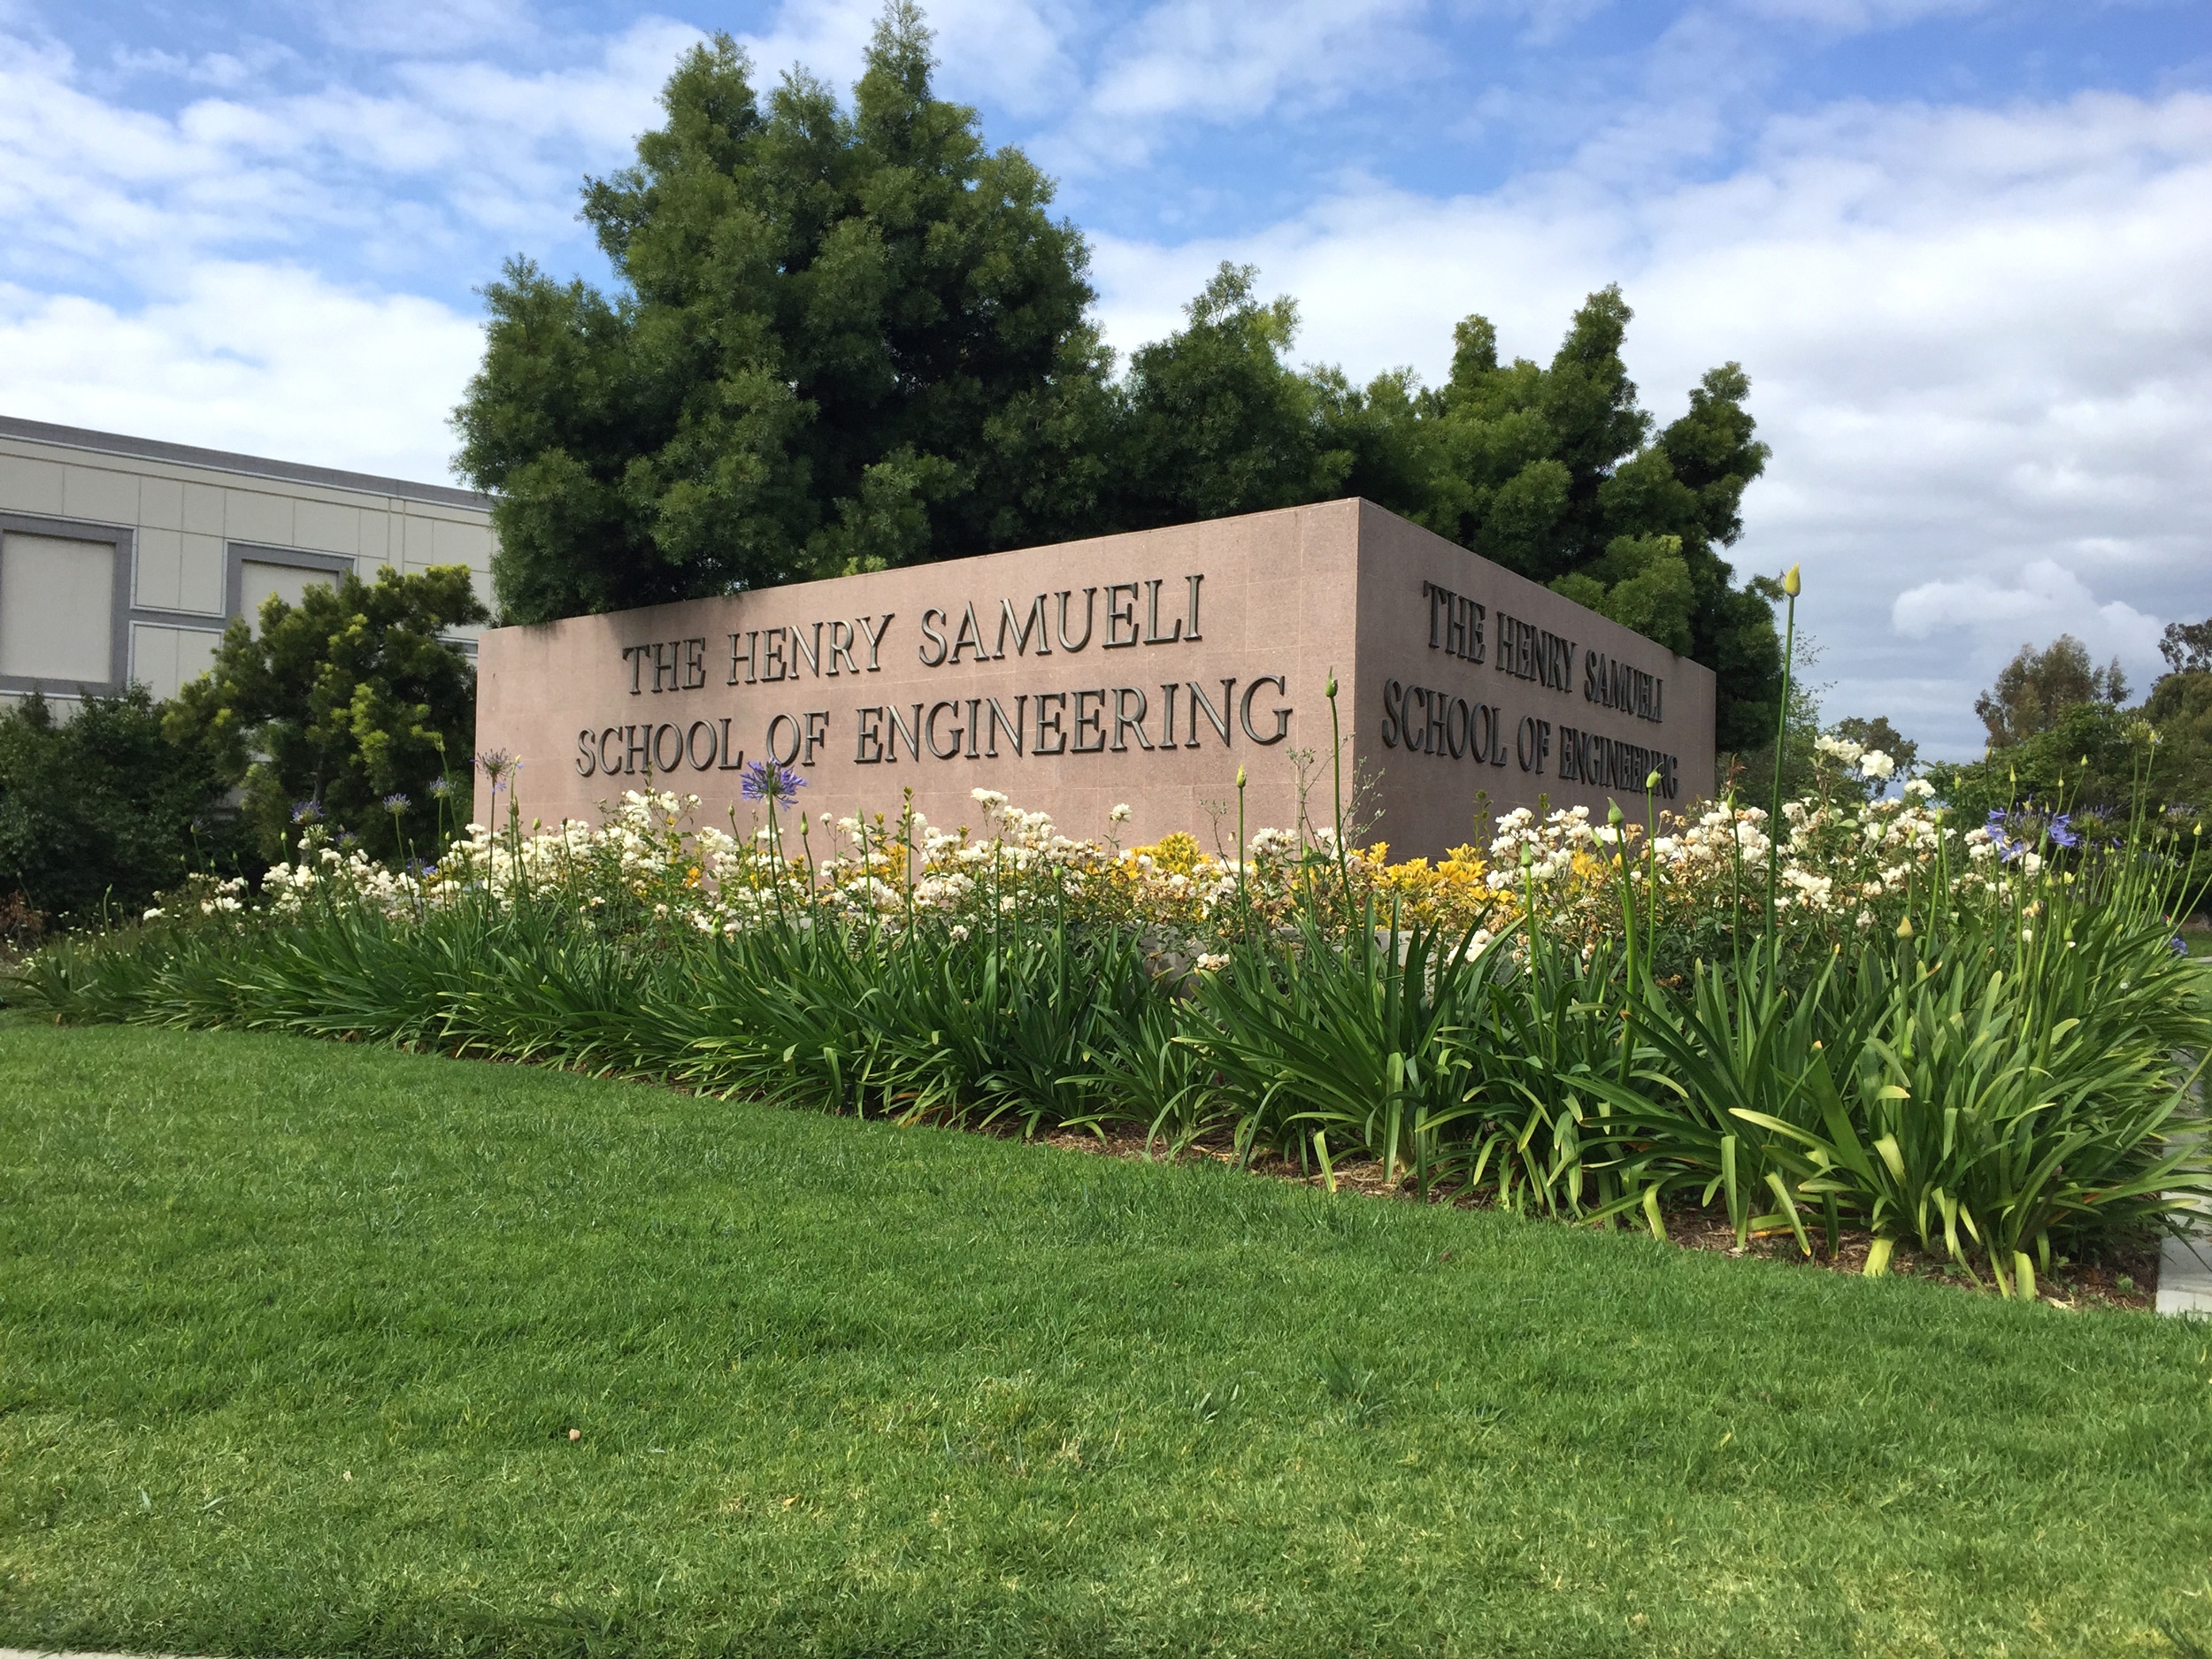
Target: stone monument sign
[(1140, 669)]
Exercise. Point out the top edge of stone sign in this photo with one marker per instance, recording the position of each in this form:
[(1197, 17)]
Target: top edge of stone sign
[(1137, 670)]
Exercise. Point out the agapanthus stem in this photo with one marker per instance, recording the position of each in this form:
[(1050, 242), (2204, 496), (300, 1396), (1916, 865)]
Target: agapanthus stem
[(1781, 753)]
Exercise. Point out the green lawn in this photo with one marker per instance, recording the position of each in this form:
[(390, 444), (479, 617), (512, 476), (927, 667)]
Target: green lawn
[(292, 1336)]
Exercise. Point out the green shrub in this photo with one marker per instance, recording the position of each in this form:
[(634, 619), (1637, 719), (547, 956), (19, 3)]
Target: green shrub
[(351, 700), (98, 812)]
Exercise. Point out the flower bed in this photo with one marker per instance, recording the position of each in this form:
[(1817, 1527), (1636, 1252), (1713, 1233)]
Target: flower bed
[(1969, 1042)]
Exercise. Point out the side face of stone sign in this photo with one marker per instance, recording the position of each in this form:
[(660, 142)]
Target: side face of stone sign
[(1140, 669)]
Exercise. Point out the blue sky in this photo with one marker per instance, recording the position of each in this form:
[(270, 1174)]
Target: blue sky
[(1962, 248)]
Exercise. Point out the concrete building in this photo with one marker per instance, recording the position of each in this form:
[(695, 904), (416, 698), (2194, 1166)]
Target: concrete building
[(123, 558)]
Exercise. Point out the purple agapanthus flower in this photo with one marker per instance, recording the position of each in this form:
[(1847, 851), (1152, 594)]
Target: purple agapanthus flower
[(498, 766), (770, 780), (397, 802), (441, 786), (307, 811), (2062, 833)]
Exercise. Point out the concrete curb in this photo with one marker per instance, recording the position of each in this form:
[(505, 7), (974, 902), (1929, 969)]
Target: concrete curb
[(2184, 1277), (2185, 1260)]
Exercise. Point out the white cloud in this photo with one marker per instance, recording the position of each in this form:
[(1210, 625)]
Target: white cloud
[(1224, 60), (604, 103), (1856, 16), (267, 359), (1544, 21), (211, 69), (2046, 599), (1015, 53), (446, 150), (1111, 94), (412, 28), (1980, 342), (173, 275)]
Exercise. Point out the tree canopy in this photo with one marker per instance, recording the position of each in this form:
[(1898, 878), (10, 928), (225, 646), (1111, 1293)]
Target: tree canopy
[(2187, 647), (2036, 687), (2062, 732), (846, 338), (843, 339)]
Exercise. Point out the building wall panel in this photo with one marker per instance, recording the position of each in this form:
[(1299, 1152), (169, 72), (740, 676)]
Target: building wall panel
[(30, 485), (98, 495), (202, 510), (57, 608), (160, 504), (252, 515), (157, 582), (328, 527), (418, 542), (166, 659), (200, 574)]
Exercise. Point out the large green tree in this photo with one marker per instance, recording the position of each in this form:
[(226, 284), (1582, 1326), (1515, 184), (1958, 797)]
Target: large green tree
[(1213, 420), (2061, 734), (1554, 471), (842, 339), (2036, 687)]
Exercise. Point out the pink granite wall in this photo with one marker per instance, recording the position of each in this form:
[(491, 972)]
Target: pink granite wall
[(1095, 674), (1473, 680)]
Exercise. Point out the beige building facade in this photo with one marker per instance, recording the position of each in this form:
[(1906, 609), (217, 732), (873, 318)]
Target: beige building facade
[(1140, 670), (123, 558)]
